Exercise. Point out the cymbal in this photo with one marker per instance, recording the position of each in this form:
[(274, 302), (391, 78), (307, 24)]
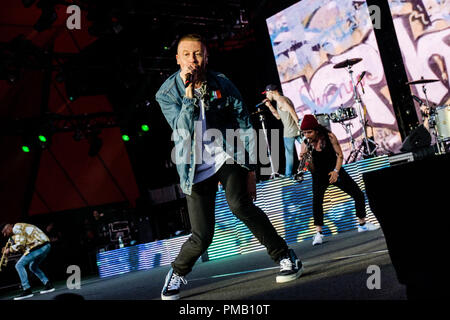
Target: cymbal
[(347, 63), (422, 81)]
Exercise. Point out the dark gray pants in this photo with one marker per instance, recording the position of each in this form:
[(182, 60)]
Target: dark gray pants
[(201, 207)]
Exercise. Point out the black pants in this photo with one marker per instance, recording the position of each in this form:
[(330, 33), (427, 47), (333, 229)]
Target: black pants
[(201, 207), (346, 184)]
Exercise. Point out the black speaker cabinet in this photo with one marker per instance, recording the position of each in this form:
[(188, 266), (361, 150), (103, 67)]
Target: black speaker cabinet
[(411, 202)]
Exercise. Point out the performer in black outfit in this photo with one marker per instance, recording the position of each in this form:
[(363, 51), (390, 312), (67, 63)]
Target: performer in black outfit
[(327, 158)]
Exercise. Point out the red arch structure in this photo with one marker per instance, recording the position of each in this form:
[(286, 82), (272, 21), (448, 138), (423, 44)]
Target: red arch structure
[(63, 176)]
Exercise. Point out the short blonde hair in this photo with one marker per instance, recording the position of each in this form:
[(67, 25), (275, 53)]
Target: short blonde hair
[(192, 37)]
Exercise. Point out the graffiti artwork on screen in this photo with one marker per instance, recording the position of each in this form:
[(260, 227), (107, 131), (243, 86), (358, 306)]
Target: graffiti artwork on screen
[(423, 32), (308, 39)]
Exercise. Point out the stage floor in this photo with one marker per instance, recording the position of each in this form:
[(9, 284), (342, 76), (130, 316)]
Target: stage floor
[(335, 270)]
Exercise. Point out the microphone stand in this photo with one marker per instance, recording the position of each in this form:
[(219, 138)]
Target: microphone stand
[(435, 129), (262, 120), (365, 142)]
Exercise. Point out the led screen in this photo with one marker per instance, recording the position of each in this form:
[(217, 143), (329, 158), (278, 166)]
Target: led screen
[(308, 40), (423, 32)]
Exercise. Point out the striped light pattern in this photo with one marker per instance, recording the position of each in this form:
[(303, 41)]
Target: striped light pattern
[(288, 205), (139, 257)]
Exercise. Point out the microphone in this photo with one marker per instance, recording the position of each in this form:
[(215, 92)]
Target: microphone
[(260, 104), (361, 77), (418, 99), (359, 81), (308, 143), (188, 80)]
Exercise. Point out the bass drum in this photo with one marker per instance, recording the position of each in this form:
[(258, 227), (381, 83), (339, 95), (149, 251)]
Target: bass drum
[(443, 122)]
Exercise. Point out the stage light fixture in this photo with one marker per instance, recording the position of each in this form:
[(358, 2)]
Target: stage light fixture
[(125, 137), (28, 143), (44, 141), (145, 128)]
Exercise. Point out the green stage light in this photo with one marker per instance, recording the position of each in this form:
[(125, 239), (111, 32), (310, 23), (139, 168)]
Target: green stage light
[(145, 127), (125, 137), (42, 138), (25, 149)]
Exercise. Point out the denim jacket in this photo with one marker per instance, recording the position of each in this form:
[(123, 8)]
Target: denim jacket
[(226, 114)]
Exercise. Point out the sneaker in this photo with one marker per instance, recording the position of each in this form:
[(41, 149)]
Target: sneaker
[(25, 294), (171, 289), (318, 239), (290, 268), (48, 288), (368, 226)]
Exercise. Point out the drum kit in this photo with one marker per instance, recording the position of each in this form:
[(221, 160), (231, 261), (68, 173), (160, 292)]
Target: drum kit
[(438, 118), (343, 115)]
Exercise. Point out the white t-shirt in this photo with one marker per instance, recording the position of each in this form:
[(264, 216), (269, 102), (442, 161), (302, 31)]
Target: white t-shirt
[(210, 155)]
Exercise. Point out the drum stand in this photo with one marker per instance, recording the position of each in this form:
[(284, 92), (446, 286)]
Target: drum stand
[(366, 152), (274, 173), (352, 141), (435, 129)]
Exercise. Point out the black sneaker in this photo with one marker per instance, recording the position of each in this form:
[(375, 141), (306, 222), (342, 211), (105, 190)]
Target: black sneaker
[(290, 268), (171, 289), (25, 294), (48, 288)]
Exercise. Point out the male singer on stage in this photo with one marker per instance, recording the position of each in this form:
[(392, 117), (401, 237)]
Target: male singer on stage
[(283, 109), (35, 246), (327, 158), (195, 102)]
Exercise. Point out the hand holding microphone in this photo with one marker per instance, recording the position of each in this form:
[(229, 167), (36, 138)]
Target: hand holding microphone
[(262, 103), (191, 75), (188, 80)]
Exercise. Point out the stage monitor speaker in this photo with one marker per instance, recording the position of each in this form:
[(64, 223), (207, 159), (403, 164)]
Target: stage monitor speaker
[(417, 139), (410, 202)]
